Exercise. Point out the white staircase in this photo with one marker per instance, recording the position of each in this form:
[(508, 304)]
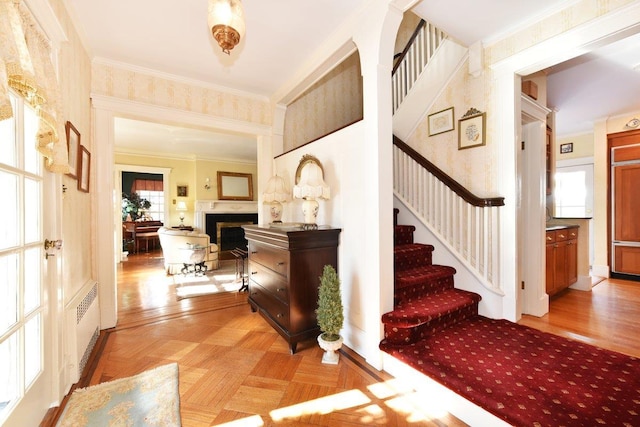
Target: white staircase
[(425, 70)]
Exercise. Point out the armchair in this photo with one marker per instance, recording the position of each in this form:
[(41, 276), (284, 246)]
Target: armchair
[(172, 240)]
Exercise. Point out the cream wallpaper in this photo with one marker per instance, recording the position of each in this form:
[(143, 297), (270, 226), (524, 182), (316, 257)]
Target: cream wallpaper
[(471, 167), (74, 78), (330, 104), (578, 13), (136, 86)]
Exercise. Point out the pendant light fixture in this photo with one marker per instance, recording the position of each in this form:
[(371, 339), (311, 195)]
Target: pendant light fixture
[(226, 20)]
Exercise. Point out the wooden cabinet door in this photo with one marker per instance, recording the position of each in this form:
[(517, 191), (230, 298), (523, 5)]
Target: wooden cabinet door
[(560, 270), (625, 201), (572, 262), (551, 267)]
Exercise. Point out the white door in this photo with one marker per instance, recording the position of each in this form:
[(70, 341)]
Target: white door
[(25, 366)]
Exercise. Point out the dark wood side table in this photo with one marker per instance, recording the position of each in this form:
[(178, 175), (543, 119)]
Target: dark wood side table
[(284, 270)]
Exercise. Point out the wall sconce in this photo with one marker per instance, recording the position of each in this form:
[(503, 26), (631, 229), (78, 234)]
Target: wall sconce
[(207, 183), (633, 123), (181, 207), (309, 187), (276, 194)]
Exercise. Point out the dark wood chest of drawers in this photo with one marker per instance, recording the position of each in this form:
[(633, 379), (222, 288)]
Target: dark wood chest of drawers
[(284, 270)]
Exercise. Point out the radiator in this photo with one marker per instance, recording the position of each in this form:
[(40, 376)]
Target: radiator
[(83, 320)]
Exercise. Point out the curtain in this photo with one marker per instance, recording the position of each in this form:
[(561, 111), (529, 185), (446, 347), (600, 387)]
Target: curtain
[(26, 67), (146, 185)]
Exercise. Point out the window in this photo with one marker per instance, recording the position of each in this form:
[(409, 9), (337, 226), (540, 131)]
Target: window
[(21, 231), (156, 211), (574, 191)]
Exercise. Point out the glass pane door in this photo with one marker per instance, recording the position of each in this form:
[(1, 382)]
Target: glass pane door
[(21, 237)]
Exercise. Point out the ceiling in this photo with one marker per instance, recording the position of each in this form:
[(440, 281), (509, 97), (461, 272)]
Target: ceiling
[(172, 37)]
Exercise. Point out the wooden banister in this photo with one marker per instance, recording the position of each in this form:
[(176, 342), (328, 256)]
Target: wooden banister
[(455, 186), (399, 57)]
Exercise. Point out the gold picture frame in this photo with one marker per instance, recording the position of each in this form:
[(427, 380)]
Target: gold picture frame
[(441, 122), (235, 186), (472, 129)]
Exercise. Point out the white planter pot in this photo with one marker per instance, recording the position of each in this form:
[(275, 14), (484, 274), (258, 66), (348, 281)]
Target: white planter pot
[(330, 348)]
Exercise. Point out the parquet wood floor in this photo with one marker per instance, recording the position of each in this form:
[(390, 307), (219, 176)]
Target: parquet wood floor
[(235, 368)]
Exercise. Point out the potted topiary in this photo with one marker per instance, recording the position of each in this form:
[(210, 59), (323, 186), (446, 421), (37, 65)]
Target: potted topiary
[(329, 314)]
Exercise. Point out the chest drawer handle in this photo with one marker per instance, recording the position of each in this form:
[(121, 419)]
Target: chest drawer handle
[(280, 263), (280, 289), (279, 315), (562, 236), (549, 238), (254, 252), (254, 272)]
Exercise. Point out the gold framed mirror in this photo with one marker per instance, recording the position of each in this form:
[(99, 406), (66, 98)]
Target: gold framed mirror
[(235, 186)]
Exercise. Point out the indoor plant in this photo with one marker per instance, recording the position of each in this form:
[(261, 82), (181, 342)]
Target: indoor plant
[(329, 314), (133, 205)]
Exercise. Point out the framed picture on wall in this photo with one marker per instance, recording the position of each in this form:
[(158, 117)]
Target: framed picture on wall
[(183, 191), (566, 148), (73, 148), (84, 169), (471, 129), (441, 122)]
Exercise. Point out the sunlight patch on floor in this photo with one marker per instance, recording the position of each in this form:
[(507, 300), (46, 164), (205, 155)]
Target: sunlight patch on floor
[(323, 405)]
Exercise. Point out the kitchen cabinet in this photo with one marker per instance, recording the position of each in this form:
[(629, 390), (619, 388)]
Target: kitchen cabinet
[(561, 257)]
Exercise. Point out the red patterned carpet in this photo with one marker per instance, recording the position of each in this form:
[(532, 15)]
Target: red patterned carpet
[(527, 377)]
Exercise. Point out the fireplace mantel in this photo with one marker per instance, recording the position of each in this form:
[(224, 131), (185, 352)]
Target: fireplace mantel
[(204, 207)]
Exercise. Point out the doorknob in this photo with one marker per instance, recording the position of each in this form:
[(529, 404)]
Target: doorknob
[(52, 244)]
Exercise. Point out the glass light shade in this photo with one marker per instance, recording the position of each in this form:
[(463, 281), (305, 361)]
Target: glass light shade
[(277, 190), (226, 20), (311, 184)]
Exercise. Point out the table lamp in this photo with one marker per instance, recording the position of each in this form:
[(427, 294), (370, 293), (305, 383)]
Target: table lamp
[(310, 187), (276, 194), (181, 207)]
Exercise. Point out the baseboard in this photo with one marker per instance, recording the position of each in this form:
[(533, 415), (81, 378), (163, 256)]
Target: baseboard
[(582, 284), (600, 270)]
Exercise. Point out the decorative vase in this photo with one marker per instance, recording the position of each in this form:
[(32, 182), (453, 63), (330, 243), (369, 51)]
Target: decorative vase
[(330, 348)]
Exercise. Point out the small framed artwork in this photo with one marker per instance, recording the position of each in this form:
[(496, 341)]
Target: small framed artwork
[(73, 149), (471, 129), (84, 169), (441, 122), (183, 191), (566, 148)]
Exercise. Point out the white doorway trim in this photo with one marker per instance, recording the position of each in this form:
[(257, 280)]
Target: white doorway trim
[(117, 180)]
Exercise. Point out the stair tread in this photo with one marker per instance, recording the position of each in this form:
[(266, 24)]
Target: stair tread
[(409, 276), (431, 306), (407, 247)]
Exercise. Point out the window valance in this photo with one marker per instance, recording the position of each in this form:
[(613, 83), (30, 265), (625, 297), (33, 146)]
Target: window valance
[(146, 185), (26, 67)]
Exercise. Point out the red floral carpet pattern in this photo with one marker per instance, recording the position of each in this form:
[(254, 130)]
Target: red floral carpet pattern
[(528, 377), (521, 375)]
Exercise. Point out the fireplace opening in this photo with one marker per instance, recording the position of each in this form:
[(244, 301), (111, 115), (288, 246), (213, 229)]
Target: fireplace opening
[(226, 231)]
